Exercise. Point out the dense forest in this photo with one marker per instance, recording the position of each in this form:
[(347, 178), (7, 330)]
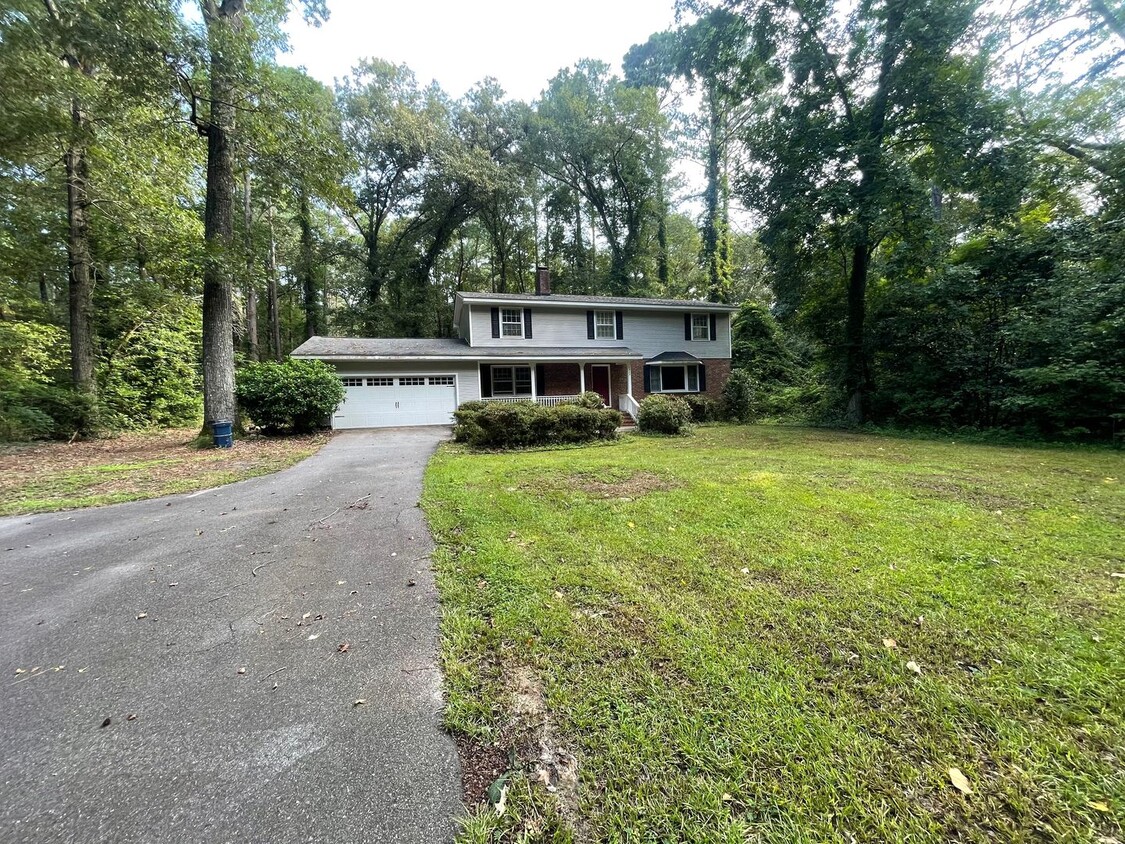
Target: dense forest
[(919, 205)]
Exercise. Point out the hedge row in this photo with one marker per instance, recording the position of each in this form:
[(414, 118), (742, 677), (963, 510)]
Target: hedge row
[(523, 424)]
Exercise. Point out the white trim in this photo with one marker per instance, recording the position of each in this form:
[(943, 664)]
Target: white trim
[(581, 376), (583, 356), (612, 325), (706, 338), (519, 322), (683, 366), (546, 301)]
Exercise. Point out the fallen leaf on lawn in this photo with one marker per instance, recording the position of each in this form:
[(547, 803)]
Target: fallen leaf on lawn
[(21, 670), (132, 716), (890, 644), (913, 666), (960, 781), (142, 615), (343, 647), (512, 535), (502, 802), (313, 636), (631, 524), (745, 570), (727, 797), (107, 722), (242, 670), (341, 582), (306, 615), (1098, 805), (359, 701), (1118, 574), (410, 583)]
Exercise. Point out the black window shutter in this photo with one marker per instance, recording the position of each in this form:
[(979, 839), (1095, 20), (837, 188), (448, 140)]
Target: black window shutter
[(589, 325), (702, 378), (527, 323), (620, 325), (687, 326), (541, 379), (485, 381), (495, 322), (648, 380), (714, 327)]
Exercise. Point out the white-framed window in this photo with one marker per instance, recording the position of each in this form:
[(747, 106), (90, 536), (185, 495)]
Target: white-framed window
[(381, 381), (674, 378), (511, 322), (511, 380), (413, 381), (605, 325), (349, 381), (700, 327), (441, 381)]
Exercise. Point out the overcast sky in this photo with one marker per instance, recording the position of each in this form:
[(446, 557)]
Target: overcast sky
[(522, 43)]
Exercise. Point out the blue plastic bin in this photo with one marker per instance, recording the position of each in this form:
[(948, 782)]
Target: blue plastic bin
[(223, 433)]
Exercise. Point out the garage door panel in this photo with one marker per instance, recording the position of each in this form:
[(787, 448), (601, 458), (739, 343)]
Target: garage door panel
[(382, 401)]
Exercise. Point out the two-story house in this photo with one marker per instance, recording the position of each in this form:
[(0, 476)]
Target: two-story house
[(540, 347)]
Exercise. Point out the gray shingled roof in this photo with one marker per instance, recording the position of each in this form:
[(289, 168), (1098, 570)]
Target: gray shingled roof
[(568, 299), (402, 348), (675, 357)]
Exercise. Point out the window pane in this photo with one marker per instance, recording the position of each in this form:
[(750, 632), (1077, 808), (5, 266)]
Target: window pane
[(523, 380), (605, 325), (700, 327), (511, 320), (501, 380), (693, 378), (654, 379), (672, 377)]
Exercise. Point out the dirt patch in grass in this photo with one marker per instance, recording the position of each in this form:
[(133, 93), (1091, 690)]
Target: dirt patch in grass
[(44, 477), (965, 490), (632, 486), (481, 765)]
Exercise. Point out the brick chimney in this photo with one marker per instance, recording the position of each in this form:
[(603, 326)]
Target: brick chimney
[(542, 281)]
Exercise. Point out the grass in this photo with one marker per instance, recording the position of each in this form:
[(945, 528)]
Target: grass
[(704, 619), (45, 477)]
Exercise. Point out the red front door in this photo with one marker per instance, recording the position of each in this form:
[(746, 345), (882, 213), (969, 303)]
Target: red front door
[(599, 381)]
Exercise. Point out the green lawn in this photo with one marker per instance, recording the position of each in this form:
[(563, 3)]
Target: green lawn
[(704, 621)]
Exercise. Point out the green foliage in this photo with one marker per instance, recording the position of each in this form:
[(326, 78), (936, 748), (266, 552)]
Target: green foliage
[(738, 396), (525, 424), (703, 408), (590, 399), (295, 395), (660, 414)]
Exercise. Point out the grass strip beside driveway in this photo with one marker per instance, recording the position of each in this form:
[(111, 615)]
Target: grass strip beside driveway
[(784, 635), (44, 477)]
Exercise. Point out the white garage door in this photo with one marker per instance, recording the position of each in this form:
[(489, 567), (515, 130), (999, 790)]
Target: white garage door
[(384, 401)]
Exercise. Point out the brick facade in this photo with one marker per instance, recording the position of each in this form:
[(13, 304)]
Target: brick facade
[(718, 370)]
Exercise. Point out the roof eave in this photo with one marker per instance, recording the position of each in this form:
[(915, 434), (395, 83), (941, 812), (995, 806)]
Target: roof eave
[(686, 305)]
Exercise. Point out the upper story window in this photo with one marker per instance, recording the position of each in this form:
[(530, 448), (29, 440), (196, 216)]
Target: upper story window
[(605, 325), (511, 322), (700, 327)]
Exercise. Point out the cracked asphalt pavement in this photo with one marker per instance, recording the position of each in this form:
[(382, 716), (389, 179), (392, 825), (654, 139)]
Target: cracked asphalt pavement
[(187, 668)]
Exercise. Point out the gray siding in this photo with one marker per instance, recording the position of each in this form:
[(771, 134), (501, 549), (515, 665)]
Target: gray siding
[(467, 372), (647, 332)]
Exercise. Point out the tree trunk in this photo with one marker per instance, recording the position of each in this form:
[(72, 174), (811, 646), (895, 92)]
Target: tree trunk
[(307, 280), (81, 284), (716, 229), (855, 364), (272, 307), (254, 348), (661, 237), (218, 221)]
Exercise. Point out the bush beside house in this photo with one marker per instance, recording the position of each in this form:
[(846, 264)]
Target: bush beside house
[(664, 415), (524, 424), (294, 396)]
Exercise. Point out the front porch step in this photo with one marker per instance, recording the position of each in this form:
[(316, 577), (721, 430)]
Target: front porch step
[(628, 423)]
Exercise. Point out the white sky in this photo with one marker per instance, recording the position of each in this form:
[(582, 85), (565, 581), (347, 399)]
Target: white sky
[(522, 43)]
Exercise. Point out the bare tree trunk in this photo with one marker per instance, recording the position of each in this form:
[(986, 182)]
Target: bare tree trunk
[(306, 269), (44, 294), (218, 219), (716, 227), (251, 289), (81, 282), (272, 310), (661, 236)]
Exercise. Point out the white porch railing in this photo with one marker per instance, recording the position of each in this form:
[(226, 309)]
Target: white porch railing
[(546, 401), (628, 404)]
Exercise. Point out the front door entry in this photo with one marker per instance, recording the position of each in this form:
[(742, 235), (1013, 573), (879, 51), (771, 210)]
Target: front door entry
[(599, 381)]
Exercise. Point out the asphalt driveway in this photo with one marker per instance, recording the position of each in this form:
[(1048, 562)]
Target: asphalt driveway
[(223, 638)]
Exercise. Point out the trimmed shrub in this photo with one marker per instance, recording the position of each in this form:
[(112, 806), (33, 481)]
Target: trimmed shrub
[(295, 395), (738, 396), (664, 415), (525, 423), (703, 408), (590, 399)]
